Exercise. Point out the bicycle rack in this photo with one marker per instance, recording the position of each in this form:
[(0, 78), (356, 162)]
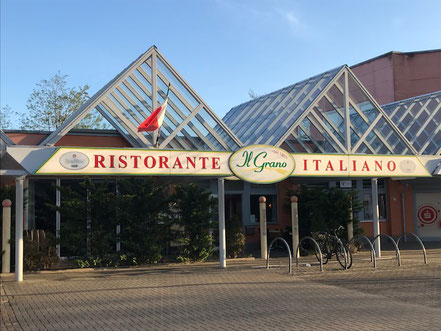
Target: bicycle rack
[(289, 252), (317, 247), (397, 250), (373, 259), (418, 239)]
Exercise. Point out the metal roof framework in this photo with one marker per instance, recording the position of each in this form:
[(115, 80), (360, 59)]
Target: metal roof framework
[(419, 119), (328, 113), (128, 99), (5, 140)]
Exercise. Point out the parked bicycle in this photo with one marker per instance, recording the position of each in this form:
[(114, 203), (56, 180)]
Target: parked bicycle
[(330, 244)]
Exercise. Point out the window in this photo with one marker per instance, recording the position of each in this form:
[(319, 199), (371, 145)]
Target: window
[(365, 187), (271, 208), (367, 206)]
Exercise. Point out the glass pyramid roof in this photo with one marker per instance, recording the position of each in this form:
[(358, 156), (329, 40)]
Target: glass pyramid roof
[(265, 119), (419, 119), (128, 99)]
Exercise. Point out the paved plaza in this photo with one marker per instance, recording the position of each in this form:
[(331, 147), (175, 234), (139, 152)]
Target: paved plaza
[(245, 296)]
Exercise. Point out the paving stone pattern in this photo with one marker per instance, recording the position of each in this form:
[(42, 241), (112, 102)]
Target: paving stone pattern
[(245, 296)]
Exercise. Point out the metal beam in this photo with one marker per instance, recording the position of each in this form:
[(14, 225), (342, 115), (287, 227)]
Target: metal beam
[(107, 103), (305, 147), (5, 138), (180, 127), (189, 107), (431, 116), (112, 121), (366, 133)]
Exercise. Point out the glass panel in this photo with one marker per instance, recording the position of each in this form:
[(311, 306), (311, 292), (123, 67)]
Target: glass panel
[(144, 105), (135, 120), (143, 81), (173, 98), (143, 95), (73, 228), (363, 149), (128, 106), (337, 134), (176, 84), (117, 123), (41, 197), (94, 120)]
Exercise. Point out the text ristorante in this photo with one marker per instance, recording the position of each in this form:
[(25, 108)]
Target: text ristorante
[(155, 161)]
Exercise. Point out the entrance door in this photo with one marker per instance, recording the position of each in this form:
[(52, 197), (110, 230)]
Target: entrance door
[(428, 208)]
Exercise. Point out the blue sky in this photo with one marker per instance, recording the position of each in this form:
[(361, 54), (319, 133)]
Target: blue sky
[(222, 48)]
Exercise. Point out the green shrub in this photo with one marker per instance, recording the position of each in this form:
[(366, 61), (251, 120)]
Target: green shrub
[(39, 251), (194, 211), (326, 209), (235, 237)]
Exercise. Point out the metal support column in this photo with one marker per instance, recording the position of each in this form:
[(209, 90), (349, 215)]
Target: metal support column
[(295, 225), (6, 236), (57, 213), (351, 221), (263, 228), (375, 215), (222, 235), (19, 183)]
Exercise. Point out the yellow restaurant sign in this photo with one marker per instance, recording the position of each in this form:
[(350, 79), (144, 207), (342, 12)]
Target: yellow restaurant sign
[(257, 164)]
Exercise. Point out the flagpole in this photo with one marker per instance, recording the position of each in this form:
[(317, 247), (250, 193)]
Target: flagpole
[(159, 129)]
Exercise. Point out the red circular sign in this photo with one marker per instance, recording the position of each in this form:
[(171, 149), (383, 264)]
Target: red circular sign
[(427, 214)]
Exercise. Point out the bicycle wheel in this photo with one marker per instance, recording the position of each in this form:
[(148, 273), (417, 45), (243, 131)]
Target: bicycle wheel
[(344, 260), (325, 255)]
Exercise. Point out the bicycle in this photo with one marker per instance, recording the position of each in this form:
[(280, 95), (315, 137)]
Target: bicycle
[(330, 244)]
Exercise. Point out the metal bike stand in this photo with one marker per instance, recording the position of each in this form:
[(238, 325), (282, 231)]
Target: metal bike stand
[(397, 250), (316, 245), (372, 249), (289, 252), (418, 239)]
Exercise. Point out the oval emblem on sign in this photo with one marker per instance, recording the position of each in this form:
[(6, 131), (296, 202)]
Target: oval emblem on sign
[(262, 164), (74, 160)]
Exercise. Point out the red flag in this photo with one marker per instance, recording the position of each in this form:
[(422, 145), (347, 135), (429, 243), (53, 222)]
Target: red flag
[(154, 121)]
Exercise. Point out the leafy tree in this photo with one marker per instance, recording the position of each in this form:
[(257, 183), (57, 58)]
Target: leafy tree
[(195, 212), (88, 214), (5, 117), (253, 95), (51, 102), (326, 209), (143, 213)]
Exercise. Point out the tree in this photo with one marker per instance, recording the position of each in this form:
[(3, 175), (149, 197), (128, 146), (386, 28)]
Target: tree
[(326, 209), (195, 213), (51, 103), (5, 117), (253, 95)]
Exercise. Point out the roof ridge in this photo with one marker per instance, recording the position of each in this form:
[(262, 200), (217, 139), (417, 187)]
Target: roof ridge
[(411, 98), (286, 87)]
